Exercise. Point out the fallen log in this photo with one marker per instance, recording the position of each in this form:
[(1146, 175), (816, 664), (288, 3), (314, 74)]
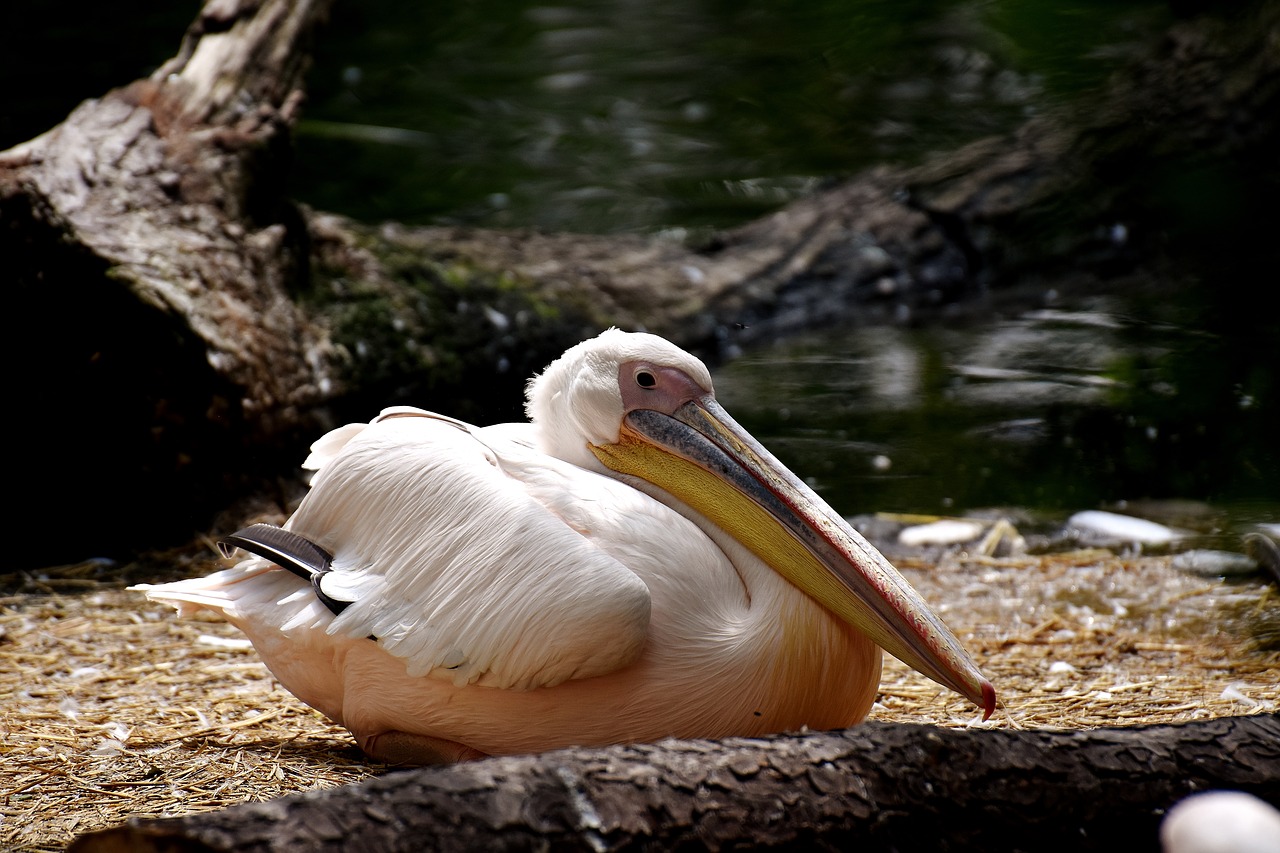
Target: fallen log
[(878, 786)]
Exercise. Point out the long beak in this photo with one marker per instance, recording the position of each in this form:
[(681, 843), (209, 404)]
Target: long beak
[(702, 456)]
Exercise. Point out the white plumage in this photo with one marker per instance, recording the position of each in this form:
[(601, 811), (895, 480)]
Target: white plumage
[(519, 587)]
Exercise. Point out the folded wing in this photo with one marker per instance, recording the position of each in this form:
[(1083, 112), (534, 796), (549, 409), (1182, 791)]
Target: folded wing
[(451, 563)]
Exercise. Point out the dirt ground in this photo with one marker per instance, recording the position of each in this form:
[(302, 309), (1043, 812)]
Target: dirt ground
[(115, 708)]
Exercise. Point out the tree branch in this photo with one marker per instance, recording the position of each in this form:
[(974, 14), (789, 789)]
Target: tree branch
[(878, 786)]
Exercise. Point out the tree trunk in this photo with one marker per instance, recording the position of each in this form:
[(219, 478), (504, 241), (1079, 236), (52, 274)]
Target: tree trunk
[(156, 263), (170, 188), (205, 327), (878, 786)]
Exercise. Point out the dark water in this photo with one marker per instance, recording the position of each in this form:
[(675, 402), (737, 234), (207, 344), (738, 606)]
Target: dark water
[(1054, 410), (617, 116)]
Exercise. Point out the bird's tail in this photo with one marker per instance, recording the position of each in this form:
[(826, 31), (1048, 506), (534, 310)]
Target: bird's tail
[(219, 591)]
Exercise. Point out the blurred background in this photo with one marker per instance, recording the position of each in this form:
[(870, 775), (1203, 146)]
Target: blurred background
[(683, 118), (614, 116)]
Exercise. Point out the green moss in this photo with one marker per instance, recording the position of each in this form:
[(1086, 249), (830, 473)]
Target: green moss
[(445, 334)]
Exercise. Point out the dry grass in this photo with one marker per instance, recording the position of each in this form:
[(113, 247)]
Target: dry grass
[(115, 708), (1091, 639)]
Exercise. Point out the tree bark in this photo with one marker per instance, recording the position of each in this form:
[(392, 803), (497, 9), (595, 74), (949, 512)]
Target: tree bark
[(156, 262), (171, 185), (207, 327), (878, 786)]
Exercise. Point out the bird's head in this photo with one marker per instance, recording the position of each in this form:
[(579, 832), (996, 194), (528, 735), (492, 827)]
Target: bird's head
[(582, 397)]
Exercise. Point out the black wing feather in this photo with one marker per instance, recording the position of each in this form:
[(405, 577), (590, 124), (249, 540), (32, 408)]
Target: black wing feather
[(287, 550)]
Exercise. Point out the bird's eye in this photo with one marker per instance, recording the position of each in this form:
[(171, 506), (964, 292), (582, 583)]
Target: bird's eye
[(645, 379)]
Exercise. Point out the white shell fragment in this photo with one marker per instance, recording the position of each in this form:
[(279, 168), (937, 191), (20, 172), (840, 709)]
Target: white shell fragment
[(947, 531), (1098, 525), (1206, 563), (998, 538)]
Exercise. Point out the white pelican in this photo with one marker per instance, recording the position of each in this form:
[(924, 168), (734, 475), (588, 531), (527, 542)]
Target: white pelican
[(628, 566)]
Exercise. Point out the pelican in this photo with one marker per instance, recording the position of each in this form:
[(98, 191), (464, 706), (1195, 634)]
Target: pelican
[(627, 566)]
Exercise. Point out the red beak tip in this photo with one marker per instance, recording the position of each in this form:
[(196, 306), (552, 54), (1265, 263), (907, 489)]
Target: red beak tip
[(988, 700)]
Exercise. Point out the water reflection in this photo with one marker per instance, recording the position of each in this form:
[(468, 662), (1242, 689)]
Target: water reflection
[(1052, 410), (615, 116)]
